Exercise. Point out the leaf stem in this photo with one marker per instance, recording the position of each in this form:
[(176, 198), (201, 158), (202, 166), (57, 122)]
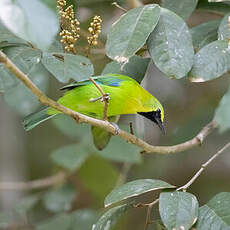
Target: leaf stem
[(35, 184)]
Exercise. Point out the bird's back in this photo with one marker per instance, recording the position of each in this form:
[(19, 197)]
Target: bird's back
[(126, 96)]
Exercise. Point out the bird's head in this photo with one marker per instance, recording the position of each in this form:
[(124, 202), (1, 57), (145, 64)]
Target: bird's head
[(156, 115)]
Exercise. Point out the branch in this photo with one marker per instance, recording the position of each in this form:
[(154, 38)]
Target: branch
[(35, 184), (203, 167), (147, 148), (184, 187)]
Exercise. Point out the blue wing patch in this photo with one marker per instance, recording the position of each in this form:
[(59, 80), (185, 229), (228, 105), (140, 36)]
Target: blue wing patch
[(114, 84), (109, 82)]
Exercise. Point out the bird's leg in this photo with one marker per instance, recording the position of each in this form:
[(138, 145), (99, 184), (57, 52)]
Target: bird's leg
[(116, 127), (103, 98)]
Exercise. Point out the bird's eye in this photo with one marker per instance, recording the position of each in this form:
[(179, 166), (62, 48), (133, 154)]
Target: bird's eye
[(158, 113)]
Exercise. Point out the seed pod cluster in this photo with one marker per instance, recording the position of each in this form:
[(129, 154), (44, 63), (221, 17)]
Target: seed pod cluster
[(94, 30), (70, 32)]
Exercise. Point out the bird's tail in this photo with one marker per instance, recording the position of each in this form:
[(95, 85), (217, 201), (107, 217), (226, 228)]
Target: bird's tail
[(35, 119)]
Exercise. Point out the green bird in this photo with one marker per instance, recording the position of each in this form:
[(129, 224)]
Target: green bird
[(126, 97)]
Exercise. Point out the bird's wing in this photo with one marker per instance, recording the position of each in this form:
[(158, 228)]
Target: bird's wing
[(109, 80)]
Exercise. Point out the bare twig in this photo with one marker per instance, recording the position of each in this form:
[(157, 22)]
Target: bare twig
[(203, 167), (147, 148), (131, 128), (105, 97), (35, 184), (183, 188), (148, 215), (119, 7)]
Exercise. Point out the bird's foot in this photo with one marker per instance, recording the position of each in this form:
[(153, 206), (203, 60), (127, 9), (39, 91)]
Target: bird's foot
[(101, 98), (116, 128)]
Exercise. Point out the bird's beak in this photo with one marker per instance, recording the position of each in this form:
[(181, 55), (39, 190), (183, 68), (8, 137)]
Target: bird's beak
[(161, 126)]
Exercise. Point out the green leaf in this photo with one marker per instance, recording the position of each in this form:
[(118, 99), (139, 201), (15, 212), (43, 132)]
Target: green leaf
[(172, 56), (95, 171), (5, 220), (60, 222), (204, 33), (183, 8), (136, 68), (68, 66), (211, 62), (69, 127), (60, 199), (119, 150), (26, 204), (56, 46), (215, 215), (131, 31), (222, 114), (24, 58), (135, 188), (178, 210), (51, 4), (219, 8), (21, 99), (30, 20), (70, 157), (7, 38), (101, 137), (83, 219), (109, 219), (223, 31)]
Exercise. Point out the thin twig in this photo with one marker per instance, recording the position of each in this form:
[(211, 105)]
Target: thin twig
[(119, 7), (35, 184), (105, 97), (148, 215), (147, 148), (131, 128), (184, 187), (203, 167)]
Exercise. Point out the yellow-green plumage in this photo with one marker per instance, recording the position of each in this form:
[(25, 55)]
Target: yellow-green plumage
[(126, 97)]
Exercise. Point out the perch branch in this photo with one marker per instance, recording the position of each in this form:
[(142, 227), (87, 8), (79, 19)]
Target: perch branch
[(35, 184), (147, 148)]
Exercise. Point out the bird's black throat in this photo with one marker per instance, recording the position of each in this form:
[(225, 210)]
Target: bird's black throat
[(154, 116)]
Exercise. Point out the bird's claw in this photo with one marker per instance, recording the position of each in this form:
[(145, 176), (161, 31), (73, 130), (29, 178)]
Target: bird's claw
[(105, 97), (116, 127), (101, 98)]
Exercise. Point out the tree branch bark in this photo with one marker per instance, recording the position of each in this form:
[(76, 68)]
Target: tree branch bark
[(80, 118), (35, 184)]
